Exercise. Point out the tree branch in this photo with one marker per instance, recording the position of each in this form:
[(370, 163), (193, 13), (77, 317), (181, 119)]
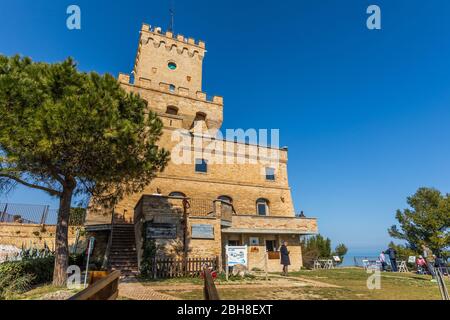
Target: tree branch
[(34, 186)]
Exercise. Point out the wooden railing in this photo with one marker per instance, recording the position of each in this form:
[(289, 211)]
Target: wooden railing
[(106, 288), (209, 289), (174, 268)]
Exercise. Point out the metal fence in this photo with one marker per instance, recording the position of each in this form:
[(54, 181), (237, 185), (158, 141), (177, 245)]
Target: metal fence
[(34, 214)]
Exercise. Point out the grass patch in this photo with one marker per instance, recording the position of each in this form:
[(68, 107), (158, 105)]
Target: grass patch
[(41, 291), (352, 284)]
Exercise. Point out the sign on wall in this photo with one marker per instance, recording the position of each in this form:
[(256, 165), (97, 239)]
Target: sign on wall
[(161, 231), (236, 255), (202, 231), (254, 241)]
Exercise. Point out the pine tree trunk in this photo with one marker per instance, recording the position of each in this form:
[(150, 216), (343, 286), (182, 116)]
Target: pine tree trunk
[(61, 241)]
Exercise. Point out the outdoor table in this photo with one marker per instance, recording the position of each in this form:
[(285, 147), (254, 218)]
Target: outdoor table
[(323, 264), (401, 266)]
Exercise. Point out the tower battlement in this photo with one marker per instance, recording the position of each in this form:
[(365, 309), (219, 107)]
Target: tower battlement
[(169, 58), (165, 87), (171, 40)]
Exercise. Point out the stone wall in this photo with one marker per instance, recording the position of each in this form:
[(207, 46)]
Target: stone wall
[(31, 234), (279, 224), (164, 210)]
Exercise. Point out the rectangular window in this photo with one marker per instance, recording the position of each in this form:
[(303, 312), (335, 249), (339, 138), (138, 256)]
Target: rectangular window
[(201, 165), (234, 243), (262, 209), (271, 245), (270, 174)]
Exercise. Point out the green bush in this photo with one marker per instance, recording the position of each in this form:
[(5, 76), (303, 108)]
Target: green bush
[(41, 268), (10, 285), (19, 276)]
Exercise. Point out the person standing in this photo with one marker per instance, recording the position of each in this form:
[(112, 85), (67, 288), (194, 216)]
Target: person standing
[(382, 261), (392, 258), (284, 255), (430, 260)]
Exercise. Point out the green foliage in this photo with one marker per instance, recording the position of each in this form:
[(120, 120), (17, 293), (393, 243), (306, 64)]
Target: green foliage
[(404, 251), (77, 216), (70, 133), (222, 277), (319, 247), (18, 276), (9, 286), (33, 269), (427, 221), (148, 254), (340, 251), (59, 124), (318, 244)]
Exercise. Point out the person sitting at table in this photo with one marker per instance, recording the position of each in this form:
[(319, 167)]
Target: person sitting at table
[(421, 265)]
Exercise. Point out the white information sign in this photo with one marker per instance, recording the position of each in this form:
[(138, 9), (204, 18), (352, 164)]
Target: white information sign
[(236, 255)]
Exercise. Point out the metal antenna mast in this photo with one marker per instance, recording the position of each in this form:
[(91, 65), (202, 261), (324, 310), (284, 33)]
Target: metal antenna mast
[(172, 16)]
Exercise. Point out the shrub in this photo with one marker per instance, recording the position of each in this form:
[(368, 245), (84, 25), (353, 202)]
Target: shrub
[(19, 276), (10, 285), (41, 268)]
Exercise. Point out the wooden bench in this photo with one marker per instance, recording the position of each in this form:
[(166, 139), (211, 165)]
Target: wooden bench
[(106, 288)]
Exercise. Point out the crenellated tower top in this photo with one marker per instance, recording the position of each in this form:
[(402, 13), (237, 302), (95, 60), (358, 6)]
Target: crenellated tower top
[(168, 58)]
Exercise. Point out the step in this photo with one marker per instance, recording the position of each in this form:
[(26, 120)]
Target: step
[(125, 243), (123, 254), (124, 265), (122, 250), (123, 261), (119, 241), (122, 258), (123, 246)]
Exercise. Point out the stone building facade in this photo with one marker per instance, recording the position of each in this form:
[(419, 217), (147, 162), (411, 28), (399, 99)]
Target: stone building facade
[(250, 184)]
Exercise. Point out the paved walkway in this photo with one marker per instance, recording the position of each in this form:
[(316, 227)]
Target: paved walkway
[(130, 288)]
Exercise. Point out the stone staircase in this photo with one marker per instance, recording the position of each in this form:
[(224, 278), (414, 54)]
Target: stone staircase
[(122, 254)]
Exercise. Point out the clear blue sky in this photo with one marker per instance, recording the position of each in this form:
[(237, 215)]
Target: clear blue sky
[(365, 114)]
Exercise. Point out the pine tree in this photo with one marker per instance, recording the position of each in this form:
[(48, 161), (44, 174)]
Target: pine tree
[(427, 221), (71, 133)]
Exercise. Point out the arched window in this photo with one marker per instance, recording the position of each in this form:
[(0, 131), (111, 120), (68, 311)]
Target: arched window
[(177, 194), (172, 110), (262, 207), (226, 199), (200, 116), (171, 88)]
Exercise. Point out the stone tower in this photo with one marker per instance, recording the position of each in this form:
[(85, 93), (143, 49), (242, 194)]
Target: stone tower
[(163, 58), (171, 65), (246, 201)]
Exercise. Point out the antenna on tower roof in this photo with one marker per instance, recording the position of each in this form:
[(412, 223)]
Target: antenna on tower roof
[(172, 15)]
